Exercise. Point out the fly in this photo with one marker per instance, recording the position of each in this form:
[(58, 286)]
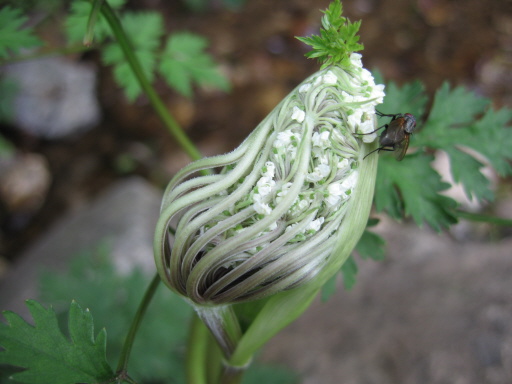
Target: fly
[(396, 134)]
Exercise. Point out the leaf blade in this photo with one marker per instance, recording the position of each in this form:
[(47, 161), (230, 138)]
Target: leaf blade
[(13, 37), (45, 352), (185, 63)]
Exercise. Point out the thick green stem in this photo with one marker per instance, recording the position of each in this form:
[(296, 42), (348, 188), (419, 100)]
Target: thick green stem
[(212, 339), (223, 325), (170, 123), (231, 375), (130, 337), (197, 351)]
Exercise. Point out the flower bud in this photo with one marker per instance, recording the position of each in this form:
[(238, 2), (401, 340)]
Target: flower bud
[(270, 220)]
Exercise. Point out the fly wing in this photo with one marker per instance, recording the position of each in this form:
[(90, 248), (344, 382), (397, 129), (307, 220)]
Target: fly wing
[(401, 148)]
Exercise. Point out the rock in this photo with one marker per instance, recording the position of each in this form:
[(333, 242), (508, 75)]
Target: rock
[(24, 181), (124, 216), (56, 98)]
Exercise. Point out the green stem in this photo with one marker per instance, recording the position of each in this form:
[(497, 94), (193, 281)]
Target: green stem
[(130, 337), (223, 325), (214, 359), (170, 123), (91, 23), (232, 375), (197, 352), (205, 362), (483, 218)]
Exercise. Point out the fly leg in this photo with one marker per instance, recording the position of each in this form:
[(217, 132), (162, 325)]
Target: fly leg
[(393, 116), (385, 126), (388, 149)]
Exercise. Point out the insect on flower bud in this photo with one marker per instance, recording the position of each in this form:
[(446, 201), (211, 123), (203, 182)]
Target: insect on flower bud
[(271, 219)]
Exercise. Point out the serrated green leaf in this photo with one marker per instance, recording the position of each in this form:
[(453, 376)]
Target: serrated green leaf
[(456, 106), (47, 355), (113, 55), (144, 31), (410, 98), (349, 271), (184, 62), (419, 187), (491, 136), (78, 19), (13, 36), (329, 288), (338, 38), (162, 333), (371, 246), (466, 170), (176, 76), (460, 119)]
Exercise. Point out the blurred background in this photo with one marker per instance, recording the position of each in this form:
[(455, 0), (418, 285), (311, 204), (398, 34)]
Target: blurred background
[(437, 310)]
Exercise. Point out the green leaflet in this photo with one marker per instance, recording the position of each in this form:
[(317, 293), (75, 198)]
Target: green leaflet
[(49, 356)]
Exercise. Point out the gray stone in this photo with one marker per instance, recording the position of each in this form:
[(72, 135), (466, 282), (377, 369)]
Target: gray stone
[(56, 97), (24, 182), (124, 216)]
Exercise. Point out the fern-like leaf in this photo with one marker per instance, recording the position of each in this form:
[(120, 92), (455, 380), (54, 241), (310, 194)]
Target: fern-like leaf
[(47, 355)]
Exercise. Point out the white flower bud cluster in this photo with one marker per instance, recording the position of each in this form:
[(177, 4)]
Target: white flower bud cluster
[(332, 172), (268, 221)]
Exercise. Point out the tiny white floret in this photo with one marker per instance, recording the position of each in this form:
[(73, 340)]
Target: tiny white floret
[(320, 172), (343, 164), (351, 180), (270, 169), (330, 78), (265, 185), (355, 59), (304, 87), (283, 138), (298, 114), (260, 207), (315, 225)]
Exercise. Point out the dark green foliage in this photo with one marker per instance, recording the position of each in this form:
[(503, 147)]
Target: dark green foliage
[(337, 40), (158, 350), (371, 246), (77, 20), (47, 355), (13, 35), (459, 120), (144, 30), (412, 188), (349, 271), (158, 354), (183, 61)]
